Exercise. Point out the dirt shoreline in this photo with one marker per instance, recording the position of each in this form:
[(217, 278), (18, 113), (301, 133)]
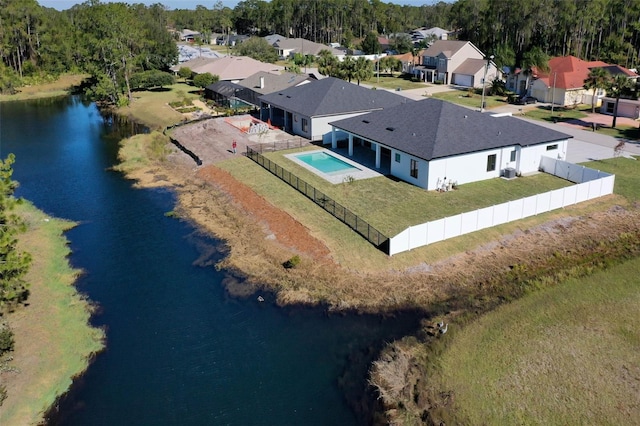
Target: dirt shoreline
[(259, 236)]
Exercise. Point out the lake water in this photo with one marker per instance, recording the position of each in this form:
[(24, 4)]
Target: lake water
[(180, 351)]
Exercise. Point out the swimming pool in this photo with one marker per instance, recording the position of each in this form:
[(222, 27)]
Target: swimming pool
[(326, 163)]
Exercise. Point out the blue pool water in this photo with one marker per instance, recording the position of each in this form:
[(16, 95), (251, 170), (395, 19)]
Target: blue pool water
[(326, 163)]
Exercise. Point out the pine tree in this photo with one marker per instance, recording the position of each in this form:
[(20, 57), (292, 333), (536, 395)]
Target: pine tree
[(14, 264)]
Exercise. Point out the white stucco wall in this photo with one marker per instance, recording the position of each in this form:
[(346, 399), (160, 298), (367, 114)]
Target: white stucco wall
[(402, 169), (469, 167), (473, 167), (320, 125), (530, 156)]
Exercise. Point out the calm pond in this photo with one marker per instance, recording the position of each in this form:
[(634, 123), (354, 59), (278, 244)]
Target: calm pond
[(180, 351)]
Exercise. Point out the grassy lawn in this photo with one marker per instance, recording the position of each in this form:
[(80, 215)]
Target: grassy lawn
[(627, 173), (567, 355), (391, 206), (471, 99), (151, 106), (60, 87), (53, 338), (394, 82)]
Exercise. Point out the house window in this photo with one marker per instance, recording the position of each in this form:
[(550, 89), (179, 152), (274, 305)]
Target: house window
[(513, 155), (397, 157), (414, 169), (491, 162), (305, 125), (552, 147), (610, 107), (600, 92)]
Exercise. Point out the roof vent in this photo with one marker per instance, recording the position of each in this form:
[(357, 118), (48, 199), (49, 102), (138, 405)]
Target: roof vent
[(365, 121), (465, 116), (414, 134), (391, 129)]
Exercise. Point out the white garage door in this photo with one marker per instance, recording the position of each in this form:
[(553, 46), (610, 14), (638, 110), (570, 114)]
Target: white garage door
[(463, 80)]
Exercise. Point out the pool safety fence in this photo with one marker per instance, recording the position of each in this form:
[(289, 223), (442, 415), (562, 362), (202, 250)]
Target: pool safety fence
[(346, 216), (280, 145)]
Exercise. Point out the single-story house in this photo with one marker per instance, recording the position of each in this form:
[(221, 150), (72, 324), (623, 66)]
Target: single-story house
[(431, 141), (230, 40), (307, 109), (189, 35), (235, 68), (249, 90), (429, 34), (288, 47), (192, 63), (455, 62), (563, 84)]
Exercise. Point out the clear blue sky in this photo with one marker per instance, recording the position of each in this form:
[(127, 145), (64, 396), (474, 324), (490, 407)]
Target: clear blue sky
[(191, 4)]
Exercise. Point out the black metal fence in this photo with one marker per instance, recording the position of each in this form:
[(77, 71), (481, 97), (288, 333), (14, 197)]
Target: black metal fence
[(280, 145), (340, 212)]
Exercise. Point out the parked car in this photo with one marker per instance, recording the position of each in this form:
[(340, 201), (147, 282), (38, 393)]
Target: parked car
[(525, 100)]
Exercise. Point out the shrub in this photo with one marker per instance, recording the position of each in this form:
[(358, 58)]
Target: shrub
[(6, 340), (292, 263)]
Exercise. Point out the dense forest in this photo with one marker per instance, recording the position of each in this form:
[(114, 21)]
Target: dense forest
[(113, 41)]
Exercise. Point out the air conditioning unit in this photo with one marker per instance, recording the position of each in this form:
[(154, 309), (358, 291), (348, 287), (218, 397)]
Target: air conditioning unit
[(509, 173)]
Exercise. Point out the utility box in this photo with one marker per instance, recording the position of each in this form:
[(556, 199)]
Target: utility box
[(509, 173)]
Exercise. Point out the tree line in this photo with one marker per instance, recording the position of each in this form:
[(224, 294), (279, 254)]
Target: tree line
[(113, 41)]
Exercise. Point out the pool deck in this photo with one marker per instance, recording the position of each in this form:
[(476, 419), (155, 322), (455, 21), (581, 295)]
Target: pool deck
[(363, 172)]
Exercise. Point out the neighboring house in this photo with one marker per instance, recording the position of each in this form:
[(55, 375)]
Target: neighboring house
[(563, 84), (192, 63), (234, 68), (626, 107), (435, 33), (230, 40), (189, 35), (306, 110), (272, 38), (407, 60), (455, 62), (385, 43), (249, 90), (430, 141), (288, 47)]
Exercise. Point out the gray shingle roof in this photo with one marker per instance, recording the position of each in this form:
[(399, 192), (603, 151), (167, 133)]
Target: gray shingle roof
[(471, 66), (272, 82), (448, 47), (332, 96), (432, 128)]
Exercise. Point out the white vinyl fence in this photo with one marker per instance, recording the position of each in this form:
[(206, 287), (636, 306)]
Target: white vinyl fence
[(590, 184)]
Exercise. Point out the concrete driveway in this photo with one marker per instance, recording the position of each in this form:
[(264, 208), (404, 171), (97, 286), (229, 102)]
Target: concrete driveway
[(587, 145)]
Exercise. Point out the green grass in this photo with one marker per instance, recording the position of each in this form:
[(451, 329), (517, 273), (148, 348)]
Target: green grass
[(152, 108), (471, 99), (394, 82), (543, 113), (566, 355), (391, 206), (350, 248), (53, 338), (627, 173), (60, 87)]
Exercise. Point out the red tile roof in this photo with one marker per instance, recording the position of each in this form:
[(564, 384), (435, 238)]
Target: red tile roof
[(570, 72)]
